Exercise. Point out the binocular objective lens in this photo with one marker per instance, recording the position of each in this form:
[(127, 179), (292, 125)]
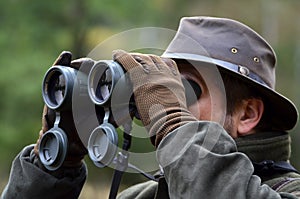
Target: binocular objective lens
[(103, 88)]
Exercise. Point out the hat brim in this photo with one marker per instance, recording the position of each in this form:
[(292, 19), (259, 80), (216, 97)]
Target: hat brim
[(283, 112)]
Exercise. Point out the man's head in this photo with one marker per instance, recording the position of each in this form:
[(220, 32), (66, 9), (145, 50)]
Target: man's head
[(246, 63)]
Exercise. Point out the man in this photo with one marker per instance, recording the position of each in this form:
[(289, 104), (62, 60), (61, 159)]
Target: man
[(205, 151)]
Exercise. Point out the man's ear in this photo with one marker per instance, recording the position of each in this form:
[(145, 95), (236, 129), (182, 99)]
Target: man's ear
[(249, 116)]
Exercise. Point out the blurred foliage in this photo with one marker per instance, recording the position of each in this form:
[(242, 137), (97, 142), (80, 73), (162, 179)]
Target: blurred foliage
[(34, 32)]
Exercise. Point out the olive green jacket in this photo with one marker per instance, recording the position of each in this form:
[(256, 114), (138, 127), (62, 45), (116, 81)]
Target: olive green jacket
[(28, 180), (210, 164), (199, 160)]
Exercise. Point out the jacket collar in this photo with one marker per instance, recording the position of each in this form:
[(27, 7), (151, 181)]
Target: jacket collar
[(262, 146)]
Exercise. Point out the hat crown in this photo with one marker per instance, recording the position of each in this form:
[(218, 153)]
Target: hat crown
[(226, 40)]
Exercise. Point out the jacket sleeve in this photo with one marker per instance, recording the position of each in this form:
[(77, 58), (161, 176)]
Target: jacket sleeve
[(200, 160), (27, 180)]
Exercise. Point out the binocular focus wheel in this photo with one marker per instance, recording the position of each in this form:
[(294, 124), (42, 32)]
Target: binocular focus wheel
[(102, 145), (53, 149)]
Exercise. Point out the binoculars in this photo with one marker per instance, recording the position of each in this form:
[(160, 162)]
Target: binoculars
[(102, 91), (82, 95)]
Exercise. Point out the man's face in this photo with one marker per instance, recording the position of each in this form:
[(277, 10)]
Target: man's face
[(211, 103)]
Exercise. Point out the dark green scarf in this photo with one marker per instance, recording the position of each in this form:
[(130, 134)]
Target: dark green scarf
[(262, 146)]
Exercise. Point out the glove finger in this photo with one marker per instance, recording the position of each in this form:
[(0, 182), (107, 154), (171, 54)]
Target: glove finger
[(64, 59), (125, 59), (172, 65), (157, 61), (146, 61), (161, 64)]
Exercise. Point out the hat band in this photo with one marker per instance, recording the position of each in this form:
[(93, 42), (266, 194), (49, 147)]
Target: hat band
[(228, 65)]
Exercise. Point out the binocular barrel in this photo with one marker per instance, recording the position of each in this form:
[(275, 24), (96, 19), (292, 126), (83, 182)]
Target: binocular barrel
[(62, 87), (58, 86), (102, 80)]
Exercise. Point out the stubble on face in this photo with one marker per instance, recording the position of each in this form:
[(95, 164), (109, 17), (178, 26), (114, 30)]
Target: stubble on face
[(229, 126)]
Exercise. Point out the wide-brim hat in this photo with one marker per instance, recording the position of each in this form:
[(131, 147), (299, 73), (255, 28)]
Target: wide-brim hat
[(238, 50)]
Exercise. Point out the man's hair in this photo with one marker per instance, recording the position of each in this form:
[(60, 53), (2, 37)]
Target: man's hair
[(238, 90)]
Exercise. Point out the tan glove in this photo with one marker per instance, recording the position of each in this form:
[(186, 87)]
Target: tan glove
[(76, 150), (158, 92)]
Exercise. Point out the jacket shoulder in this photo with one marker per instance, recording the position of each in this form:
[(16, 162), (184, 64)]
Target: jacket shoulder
[(145, 190)]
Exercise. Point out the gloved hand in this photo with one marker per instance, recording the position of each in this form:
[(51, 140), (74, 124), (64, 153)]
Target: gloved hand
[(76, 150), (158, 92)]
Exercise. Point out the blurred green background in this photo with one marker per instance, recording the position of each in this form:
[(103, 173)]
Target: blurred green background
[(34, 32)]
